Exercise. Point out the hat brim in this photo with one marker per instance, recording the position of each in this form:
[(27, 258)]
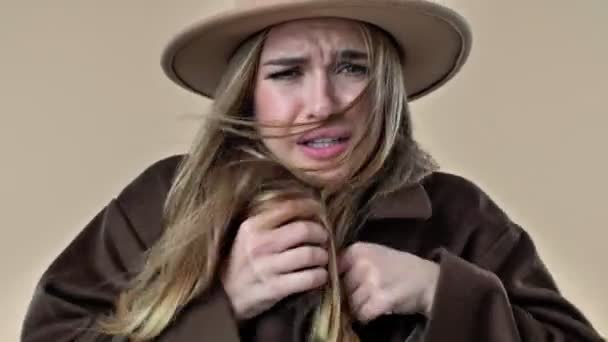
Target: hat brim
[(435, 40)]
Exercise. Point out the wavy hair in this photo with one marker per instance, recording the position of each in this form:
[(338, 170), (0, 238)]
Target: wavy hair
[(228, 175)]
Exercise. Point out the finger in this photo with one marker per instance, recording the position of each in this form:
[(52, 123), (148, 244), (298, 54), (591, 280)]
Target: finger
[(372, 308), (358, 299), (344, 264), (348, 257), (295, 282), (297, 233), (297, 258), (353, 279), (283, 212), (367, 312)]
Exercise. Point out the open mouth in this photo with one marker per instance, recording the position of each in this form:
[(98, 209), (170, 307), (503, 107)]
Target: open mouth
[(324, 142), (324, 148)]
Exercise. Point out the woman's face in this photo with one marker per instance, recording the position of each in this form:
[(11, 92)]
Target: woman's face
[(310, 70)]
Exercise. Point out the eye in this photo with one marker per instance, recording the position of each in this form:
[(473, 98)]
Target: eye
[(352, 69), (287, 74)]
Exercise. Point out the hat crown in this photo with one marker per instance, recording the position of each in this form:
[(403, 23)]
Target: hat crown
[(264, 3), (256, 3)]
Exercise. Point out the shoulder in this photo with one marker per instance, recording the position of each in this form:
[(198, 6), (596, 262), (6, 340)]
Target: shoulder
[(153, 181), (142, 199), (442, 186), (469, 221), (456, 195)]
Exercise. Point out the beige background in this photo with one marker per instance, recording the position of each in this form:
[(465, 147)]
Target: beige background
[(84, 108)]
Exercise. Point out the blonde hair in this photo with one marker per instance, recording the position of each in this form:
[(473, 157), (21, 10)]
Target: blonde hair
[(228, 174)]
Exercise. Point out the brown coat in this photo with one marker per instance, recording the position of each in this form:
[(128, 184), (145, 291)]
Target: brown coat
[(492, 286)]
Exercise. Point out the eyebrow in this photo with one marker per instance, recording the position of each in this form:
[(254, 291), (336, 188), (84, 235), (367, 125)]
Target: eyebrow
[(347, 54), (351, 55)]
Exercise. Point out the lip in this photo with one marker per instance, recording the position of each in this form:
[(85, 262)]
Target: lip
[(329, 132), (324, 153), (328, 152)]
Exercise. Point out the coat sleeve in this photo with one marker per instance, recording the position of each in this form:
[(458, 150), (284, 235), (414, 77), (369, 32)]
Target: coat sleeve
[(506, 295), (84, 281)]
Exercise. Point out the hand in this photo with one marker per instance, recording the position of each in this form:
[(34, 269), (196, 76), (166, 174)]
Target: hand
[(380, 280), (267, 257)]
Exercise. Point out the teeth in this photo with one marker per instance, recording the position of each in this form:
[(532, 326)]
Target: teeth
[(323, 142), (320, 145)]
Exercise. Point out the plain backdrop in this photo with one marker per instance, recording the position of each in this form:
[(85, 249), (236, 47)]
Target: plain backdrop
[(84, 108)]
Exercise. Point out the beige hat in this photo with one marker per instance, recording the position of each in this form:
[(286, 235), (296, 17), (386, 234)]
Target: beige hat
[(434, 39)]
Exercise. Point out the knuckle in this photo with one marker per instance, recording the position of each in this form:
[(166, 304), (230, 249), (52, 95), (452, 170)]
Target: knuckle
[(365, 314), (317, 278), (255, 250), (276, 288), (323, 276), (361, 266), (299, 205), (382, 302), (322, 255), (317, 230), (292, 205), (258, 247), (322, 232), (310, 281), (358, 249), (319, 256), (246, 227), (366, 266), (304, 229), (374, 280), (350, 257), (310, 255)]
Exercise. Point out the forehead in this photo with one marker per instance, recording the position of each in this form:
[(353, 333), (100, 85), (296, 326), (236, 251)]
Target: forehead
[(322, 32)]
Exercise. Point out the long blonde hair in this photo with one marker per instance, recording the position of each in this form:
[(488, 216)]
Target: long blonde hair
[(228, 174)]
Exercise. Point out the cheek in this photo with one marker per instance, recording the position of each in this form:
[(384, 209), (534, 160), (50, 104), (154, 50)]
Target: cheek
[(263, 104), (360, 112), (347, 91), (360, 117), (273, 106)]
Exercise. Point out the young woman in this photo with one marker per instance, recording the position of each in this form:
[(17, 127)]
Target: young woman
[(305, 211)]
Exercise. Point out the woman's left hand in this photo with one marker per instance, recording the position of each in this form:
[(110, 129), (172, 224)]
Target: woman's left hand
[(380, 280)]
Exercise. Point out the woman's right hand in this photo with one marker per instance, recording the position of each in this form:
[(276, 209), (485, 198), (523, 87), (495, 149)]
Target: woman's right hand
[(271, 259)]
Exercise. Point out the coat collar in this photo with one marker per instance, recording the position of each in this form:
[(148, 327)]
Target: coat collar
[(411, 202)]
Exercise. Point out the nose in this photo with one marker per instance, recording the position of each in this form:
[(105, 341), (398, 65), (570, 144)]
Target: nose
[(321, 99)]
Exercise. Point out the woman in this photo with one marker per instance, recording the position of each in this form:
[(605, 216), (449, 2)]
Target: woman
[(305, 210)]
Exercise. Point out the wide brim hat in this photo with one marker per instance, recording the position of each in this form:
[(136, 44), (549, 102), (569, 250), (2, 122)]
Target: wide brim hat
[(434, 40)]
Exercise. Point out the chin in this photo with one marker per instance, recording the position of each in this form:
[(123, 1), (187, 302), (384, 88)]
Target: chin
[(326, 179), (329, 175)]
